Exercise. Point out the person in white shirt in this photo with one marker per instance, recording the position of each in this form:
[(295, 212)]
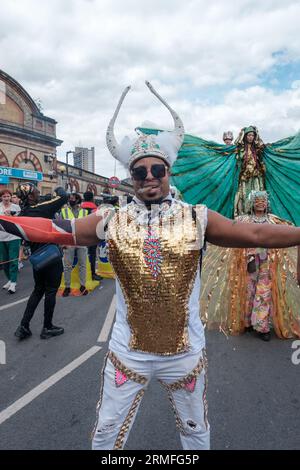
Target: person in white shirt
[(9, 244)]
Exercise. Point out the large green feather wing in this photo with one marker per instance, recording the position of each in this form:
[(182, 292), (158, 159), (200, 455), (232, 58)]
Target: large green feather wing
[(282, 160), (206, 172)]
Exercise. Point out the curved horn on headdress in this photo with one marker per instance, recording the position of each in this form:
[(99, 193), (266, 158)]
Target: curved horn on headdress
[(179, 129), (111, 140)]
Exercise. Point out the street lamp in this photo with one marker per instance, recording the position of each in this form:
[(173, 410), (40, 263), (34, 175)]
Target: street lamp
[(67, 161), (62, 170)]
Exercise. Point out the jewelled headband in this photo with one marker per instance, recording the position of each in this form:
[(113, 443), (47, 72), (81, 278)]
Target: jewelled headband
[(258, 194), (253, 195), (164, 145)]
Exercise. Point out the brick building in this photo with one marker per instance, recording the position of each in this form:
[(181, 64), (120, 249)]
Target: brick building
[(28, 146)]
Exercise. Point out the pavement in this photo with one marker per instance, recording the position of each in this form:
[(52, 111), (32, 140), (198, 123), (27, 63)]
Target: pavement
[(49, 388)]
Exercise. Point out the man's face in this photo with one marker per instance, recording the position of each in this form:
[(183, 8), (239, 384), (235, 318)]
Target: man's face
[(15, 199), (73, 200), (260, 204), (250, 137), (227, 141), (151, 188), (6, 197)]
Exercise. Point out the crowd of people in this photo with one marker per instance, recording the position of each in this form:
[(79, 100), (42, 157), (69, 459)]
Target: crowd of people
[(28, 202), (157, 245), (9, 244)]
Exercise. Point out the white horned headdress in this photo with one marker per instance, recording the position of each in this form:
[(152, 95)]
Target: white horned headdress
[(165, 145)]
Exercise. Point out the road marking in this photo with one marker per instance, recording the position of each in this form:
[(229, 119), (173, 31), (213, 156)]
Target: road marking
[(14, 303), (43, 386), (104, 333)]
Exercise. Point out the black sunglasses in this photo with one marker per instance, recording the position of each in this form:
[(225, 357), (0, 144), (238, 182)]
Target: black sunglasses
[(140, 173)]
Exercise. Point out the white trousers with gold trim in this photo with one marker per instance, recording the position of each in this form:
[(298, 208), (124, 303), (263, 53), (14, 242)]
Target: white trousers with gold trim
[(123, 385)]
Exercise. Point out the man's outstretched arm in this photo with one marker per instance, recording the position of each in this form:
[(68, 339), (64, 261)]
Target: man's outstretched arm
[(85, 231), (234, 234)]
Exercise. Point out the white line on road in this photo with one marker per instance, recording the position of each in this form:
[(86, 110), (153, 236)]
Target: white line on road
[(42, 387), (14, 303), (104, 333)]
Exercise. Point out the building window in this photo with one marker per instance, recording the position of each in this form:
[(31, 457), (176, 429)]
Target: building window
[(38, 124), (51, 128)]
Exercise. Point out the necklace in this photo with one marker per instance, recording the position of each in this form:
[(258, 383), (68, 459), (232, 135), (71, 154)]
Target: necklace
[(259, 220), (143, 216)]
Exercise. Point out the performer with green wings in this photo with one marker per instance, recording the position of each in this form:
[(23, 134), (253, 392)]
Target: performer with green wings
[(252, 289), (252, 173), (222, 176)]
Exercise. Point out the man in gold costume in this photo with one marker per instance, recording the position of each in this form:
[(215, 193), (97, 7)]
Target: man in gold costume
[(155, 246)]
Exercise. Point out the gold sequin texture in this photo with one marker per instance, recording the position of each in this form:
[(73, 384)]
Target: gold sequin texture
[(178, 420), (130, 374), (125, 426), (157, 309), (181, 383)]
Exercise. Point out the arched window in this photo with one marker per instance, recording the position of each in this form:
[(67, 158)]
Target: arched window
[(27, 161)]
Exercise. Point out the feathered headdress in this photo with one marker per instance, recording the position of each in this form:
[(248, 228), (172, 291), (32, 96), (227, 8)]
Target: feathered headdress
[(253, 195), (165, 145), (257, 140)]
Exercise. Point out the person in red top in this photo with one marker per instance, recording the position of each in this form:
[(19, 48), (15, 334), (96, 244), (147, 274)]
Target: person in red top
[(90, 206)]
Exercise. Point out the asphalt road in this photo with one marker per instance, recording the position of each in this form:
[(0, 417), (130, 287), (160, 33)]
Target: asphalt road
[(49, 388)]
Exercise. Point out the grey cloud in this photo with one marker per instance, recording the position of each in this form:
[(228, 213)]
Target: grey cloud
[(78, 55)]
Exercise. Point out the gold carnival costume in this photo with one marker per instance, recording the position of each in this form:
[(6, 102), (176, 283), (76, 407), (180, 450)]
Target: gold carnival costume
[(224, 284), (155, 248), (156, 266)]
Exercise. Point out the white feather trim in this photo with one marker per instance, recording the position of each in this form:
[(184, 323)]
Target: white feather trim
[(125, 150), (167, 143)]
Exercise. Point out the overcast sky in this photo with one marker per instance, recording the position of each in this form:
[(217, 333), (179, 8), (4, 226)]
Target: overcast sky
[(220, 64)]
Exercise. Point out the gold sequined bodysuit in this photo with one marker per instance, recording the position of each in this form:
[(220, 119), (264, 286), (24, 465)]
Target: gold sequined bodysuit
[(156, 264)]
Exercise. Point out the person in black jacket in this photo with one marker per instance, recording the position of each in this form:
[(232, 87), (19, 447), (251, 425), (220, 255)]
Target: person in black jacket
[(46, 280)]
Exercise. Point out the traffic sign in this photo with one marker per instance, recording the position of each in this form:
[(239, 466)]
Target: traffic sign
[(114, 182)]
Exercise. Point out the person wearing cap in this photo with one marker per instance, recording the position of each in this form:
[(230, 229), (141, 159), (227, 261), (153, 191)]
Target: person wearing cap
[(228, 137), (47, 280), (155, 246), (9, 244)]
